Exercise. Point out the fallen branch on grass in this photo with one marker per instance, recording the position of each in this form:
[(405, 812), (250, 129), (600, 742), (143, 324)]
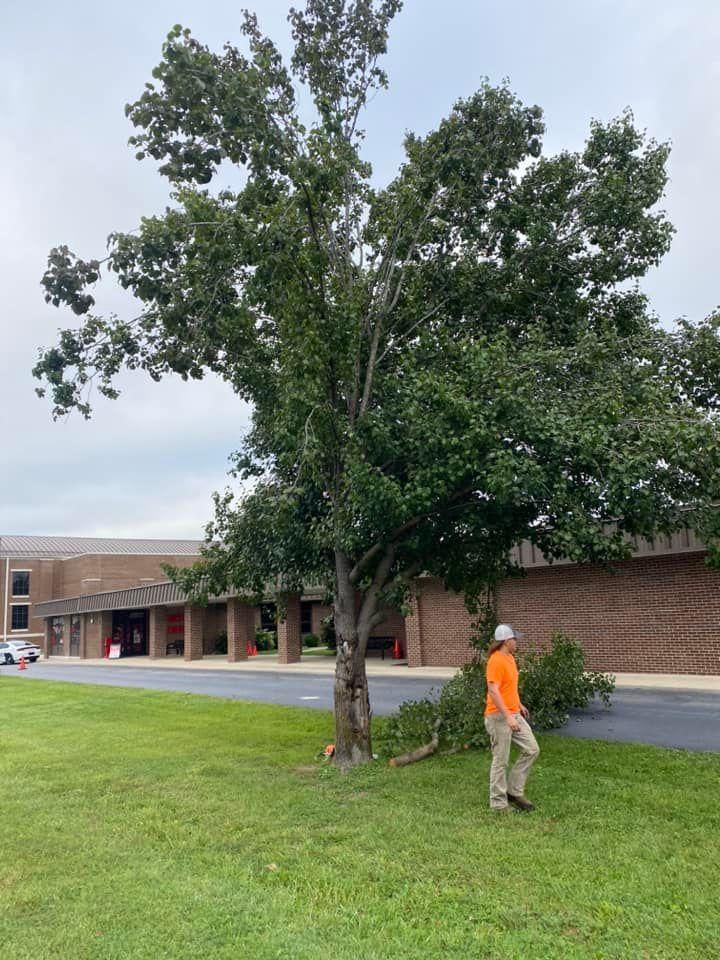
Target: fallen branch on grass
[(421, 752)]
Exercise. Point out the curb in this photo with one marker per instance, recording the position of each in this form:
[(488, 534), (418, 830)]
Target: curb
[(398, 670)]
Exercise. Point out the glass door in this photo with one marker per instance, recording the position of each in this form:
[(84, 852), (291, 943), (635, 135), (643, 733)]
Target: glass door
[(56, 636), (130, 631), (75, 637), (137, 633)]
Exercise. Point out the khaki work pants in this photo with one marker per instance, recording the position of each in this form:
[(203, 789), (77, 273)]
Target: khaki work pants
[(501, 737)]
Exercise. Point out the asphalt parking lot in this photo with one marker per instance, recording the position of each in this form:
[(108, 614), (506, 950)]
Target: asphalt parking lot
[(686, 719)]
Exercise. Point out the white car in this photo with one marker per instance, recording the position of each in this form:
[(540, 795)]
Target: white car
[(12, 650)]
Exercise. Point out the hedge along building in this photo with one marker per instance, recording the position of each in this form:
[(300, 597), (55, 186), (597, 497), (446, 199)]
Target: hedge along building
[(657, 612)]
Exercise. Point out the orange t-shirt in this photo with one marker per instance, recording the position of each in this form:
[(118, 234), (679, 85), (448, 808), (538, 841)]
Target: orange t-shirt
[(502, 670)]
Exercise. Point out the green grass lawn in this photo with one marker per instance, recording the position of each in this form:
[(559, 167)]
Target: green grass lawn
[(137, 824)]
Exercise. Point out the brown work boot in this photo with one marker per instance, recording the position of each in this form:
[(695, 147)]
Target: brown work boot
[(521, 803), (500, 809)]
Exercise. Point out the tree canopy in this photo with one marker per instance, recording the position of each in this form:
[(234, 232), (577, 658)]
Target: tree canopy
[(439, 366)]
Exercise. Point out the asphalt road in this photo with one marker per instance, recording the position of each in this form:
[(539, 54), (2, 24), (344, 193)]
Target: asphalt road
[(286, 688), (669, 718), (688, 719)]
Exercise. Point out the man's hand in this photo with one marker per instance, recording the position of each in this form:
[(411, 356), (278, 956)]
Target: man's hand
[(524, 711), (512, 722)]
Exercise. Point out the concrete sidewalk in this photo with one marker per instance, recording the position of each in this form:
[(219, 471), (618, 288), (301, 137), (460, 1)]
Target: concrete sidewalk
[(375, 668), (263, 664), (668, 681)]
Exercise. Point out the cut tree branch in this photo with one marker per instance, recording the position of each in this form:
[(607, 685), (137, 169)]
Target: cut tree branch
[(421, 752)]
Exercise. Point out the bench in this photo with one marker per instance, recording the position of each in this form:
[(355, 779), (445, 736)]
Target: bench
[(380, 643), (177, 645)]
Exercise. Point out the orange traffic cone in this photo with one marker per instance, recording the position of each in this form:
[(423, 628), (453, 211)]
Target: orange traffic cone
[(248, 649), (397, 650), (22, 665), (254, 650)]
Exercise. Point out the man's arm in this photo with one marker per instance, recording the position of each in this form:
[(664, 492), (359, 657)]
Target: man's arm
[(496, 697)]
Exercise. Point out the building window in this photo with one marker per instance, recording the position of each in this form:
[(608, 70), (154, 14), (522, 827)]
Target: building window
[(20, 616), (21, 583)]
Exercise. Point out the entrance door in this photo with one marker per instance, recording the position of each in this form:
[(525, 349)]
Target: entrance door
[(56, 636), (75, 637), (130, 631)]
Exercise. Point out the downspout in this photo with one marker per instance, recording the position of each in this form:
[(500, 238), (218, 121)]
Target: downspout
[(7, 587)]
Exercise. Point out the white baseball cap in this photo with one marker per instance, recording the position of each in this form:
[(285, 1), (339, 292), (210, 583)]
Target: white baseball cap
[(504, 632)]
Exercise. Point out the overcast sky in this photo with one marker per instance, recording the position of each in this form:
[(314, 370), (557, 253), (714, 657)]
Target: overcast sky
[(147, 463)]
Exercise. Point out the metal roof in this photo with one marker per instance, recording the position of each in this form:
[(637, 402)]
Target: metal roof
[(66, 547), (152, 595), (133, 598), (528, 556)]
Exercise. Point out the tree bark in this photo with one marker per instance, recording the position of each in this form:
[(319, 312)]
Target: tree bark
[(352, 701), (421, 752), (405, 758)]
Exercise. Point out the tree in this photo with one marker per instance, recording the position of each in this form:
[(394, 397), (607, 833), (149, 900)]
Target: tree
[(438, 368)]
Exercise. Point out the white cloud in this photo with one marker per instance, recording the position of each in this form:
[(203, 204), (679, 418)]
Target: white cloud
[(147, 463)]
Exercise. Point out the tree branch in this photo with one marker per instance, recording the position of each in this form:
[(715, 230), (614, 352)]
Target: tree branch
[(370, 600), (404, 336), (398, 533), (384, 309), (413, 247)]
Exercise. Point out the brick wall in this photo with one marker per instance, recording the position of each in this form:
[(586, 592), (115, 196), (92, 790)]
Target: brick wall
[(41, 584), (78, 576), (97, 627), (98, 573), (157, 632), (240, 625), (319, 612), (194, 623), (445, 628), (55, 579), (393, 626), (288, 633), (654, 615), (413, 633)]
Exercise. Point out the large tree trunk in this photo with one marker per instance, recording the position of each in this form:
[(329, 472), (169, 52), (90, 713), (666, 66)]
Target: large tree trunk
[(352, 702)]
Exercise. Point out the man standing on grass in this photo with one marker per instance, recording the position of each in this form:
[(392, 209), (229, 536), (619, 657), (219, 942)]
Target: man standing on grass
[(506, 723)]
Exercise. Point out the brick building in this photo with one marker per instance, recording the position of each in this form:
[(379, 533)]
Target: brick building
[(658, 612), (34, 570)]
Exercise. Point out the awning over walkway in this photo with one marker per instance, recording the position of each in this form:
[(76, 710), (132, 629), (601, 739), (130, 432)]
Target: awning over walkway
[(132, 598), (163, 594)]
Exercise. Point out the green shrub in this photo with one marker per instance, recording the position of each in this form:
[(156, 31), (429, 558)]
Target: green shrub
[(462, 709), (311, 640), (221, 642), (554, 682), (265, 639), (551, 684), (327, 632)]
